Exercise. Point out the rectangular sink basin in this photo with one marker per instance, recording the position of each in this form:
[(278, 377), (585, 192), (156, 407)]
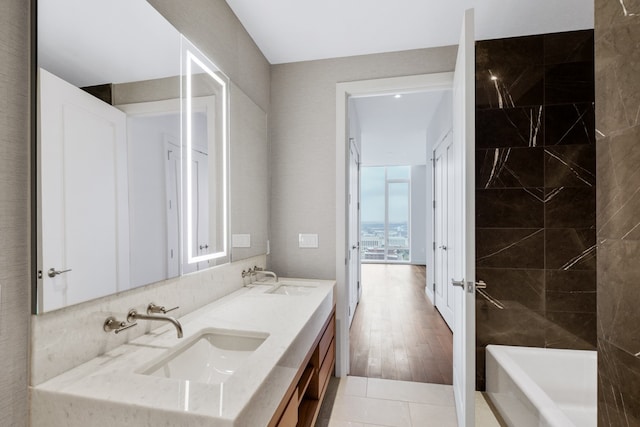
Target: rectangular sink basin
[(291, 289), (211, 357)]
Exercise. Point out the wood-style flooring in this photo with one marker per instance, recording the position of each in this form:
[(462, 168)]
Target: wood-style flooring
[(396, 333)]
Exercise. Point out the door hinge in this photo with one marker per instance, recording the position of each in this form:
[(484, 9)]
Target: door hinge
[(434, 204), (434, 246)]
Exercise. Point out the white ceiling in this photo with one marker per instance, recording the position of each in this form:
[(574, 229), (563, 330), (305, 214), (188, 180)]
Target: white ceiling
[(86, 43), (394, 130), (298, 30)]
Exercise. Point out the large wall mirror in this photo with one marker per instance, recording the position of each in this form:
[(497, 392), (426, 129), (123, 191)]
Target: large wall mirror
[(133, 152)]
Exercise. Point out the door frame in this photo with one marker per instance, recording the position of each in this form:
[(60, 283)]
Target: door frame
[(405, 84)]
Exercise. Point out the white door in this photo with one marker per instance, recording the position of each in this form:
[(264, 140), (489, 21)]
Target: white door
[(442, 159), (84, 197), (462, 247), (200, 200), (172, 200), (354, 229)]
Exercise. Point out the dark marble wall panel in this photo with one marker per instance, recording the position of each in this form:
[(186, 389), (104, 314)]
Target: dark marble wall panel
[(510, 208), (517, 82), (509, 127), (570, 124), (510, 168), (617, 67), (536, 192), (509, 248)]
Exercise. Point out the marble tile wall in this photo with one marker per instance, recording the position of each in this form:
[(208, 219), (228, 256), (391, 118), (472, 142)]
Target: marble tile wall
[(617, 71), (535, 192)]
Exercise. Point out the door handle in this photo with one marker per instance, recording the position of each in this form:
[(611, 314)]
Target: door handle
[(443, 247), (458, 283), (53, 272), (480, 284)]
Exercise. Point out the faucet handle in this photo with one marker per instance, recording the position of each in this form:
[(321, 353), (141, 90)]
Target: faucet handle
[(112, 324), (152, 308)]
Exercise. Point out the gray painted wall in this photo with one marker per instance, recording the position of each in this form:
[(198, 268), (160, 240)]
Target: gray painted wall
[(214, 28), (14, 208), (303, 132)]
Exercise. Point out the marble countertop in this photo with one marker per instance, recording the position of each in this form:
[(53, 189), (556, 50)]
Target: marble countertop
[(108, 390)]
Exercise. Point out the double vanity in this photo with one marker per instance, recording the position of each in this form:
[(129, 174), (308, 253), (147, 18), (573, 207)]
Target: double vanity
[(145, 151), (261, 355)]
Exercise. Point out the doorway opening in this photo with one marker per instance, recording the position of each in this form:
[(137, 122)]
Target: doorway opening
[(396, 332)]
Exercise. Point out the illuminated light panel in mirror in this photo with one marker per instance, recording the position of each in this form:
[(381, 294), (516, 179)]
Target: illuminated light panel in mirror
[(205, 154)]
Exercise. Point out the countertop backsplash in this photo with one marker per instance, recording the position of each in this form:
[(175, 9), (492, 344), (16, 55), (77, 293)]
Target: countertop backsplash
[(63, 339)]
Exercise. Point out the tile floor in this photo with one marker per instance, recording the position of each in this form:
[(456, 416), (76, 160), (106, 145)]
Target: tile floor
[(374, 402)]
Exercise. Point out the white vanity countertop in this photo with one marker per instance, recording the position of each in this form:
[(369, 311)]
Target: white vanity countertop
[(108, 390)]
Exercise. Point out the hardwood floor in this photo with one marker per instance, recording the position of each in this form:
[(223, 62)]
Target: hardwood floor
[(396, 333)]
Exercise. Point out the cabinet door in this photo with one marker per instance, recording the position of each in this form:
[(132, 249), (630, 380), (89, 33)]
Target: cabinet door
[(290, 415)]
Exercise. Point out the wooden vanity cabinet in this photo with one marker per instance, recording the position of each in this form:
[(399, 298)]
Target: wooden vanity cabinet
[(301, 404)]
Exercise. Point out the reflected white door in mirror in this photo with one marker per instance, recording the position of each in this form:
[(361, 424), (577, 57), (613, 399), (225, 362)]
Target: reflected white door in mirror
[(84, 195)]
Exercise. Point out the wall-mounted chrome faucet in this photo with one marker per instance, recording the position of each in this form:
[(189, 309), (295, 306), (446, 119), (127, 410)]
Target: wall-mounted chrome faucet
[(134, 315), (258, 270), (267, 273)]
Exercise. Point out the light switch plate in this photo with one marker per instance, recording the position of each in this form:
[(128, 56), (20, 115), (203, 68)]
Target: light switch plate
[(241, 240), (307, 240)]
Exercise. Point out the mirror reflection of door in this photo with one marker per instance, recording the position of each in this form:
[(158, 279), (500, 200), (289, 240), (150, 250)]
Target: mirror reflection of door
[(83, 181), (200, 206), (172, 204), (153, 133)]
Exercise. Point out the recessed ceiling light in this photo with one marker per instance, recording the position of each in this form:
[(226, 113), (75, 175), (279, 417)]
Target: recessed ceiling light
[(397, 95)]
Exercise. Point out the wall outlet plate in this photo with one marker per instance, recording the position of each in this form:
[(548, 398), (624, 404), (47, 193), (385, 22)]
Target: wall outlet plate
[(241, 240), (307, 240)]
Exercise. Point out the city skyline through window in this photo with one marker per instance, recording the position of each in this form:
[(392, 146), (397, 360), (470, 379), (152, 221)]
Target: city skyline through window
[(385, 203)]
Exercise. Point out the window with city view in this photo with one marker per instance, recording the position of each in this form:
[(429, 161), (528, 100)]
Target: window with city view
[(384, 214)]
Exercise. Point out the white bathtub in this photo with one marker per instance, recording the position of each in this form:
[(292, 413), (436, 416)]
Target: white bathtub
[(543, 387)]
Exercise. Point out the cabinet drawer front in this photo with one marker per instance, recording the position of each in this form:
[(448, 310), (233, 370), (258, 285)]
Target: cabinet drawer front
[(325, 341), (318, 383), (290, 415)]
